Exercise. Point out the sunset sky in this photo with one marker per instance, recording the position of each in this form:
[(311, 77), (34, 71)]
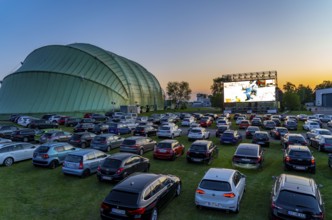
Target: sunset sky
[(181, 40)]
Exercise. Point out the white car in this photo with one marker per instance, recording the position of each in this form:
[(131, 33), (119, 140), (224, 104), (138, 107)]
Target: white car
[(169, 131), (15, 151), (24, 121), (4, 140), (239, 119), (309, 125), (187, 121), (198, 133), (220, 122), (318, 131), (221, 188)]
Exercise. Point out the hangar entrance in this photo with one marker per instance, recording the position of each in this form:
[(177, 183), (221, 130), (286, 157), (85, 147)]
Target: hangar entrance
[(327, 100)]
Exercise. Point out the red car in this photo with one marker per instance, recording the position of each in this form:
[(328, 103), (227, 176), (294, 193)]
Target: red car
[(87, 115), (244, 124), (205, 121), (62, 120), (168, 149)]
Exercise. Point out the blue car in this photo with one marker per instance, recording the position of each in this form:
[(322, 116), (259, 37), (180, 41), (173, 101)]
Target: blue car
[(230, 137), (119, 128)]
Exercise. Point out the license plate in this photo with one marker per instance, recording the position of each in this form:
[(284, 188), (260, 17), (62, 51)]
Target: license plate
[(247, 160), (162, 151), (196, 160), (260, 142), (297, 214), (227, 142), (214, 204), (107, 178), (118, 211), (300, 167)]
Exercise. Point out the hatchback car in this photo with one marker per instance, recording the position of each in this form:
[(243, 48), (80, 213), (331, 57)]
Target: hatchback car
[(55, 136), (262, 138), (296, 197), (202, 151), (120, 165), (106, 142), (83, 162), (119, 128), (221, 129), (137, 145), (309, 125), (140, 196), (206, 121), (318, 131), (297, 157), (14, 152), (82, 127), (230, 137), (321, 142), (198, 133), (169, 131), (24, 135), (168, 149), (248, 156), (145, 130), (250, 131), (291, 139), (244, 124), (81, 139), (52, 154), (290, 125), (269, 124), (256, 122), (278, 132), (221, 188)]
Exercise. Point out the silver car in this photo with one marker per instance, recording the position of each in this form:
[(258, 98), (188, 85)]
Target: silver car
[(13, 152), (221, 189), (198, 133)]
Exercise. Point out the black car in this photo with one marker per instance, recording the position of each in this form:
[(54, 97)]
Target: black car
[(296, 197), (81, 139), (291, 125), (71, 122), (42, 124), (120, 165), (321, 142), (81, 127), (291, 139), (251, 130), (145, 130), (202, 151), (99, 118), (221, 129), (278, 132), (23, 135), (262, 138), (140, 196), (248, 156), (7, 130), (297, 157), (256, 122)]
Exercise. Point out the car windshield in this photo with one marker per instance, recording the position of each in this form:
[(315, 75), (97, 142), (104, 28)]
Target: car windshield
[(129, 142), (73, 158), (42, 149), (122, 197), (296, 138), (246, 151), (111, 163), (215, 185), (164, 145), (99, 139), (294, 199), (198, 147), (196, 131), (299, 153), (165, 128)]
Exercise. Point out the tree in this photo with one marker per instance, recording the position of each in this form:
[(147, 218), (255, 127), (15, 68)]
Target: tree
[(178, 92), (217, 89), (291, 101), (324, 85), (305, 93), (289, 87)]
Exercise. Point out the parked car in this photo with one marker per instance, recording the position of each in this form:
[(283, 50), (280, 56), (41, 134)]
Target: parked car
[(318, 131), (81, 139), (145, 130), (101, 128), (290, 125), (24, 121), (248, 156), (309, 125), (14, 152), (141, 195), (202, 151), (71, 122), (262, 138), (269, 124), (118, 166), (296, 197), (221, 188), (99, 118), (198, 133), (42, 124), (221, 129), (251, 130), (52, 154), (244, 124), (321, 142), (81, 127), (106, 142), (239, 119), (62, 120), (278, 132), (83, 162), (187, 121), (119, 128), (168, 149), (326, 118), (206, 121), (24, 135), (277, 122), (291, 139), (230, 137), (298, 157), (55, 136), (221, 122), (302, 117), (256, 122), (7, 130), (137, 145), (169, 131)]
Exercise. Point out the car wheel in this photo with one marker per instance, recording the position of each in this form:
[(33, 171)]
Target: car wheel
[(86, 173), (141, 152), (178, 190), (154, 214), (83, 145), (53, 164), (8, 161), (25, 139)]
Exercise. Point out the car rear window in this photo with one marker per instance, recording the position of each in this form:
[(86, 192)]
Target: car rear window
[(215, 185), (73, 158), (165, 128), (42, 149), (282, 130), (129, 142), (246, 151), (328, 140), (164, 145), (76, 136), (122, 197), (98, 138), (298, 153), (196, 131), (260, 135), (296, 138), (198, 147), (111, 163), (294, 199), (228, 135)]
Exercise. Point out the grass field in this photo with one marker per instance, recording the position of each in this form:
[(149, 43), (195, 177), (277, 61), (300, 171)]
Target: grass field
[(28, 192)]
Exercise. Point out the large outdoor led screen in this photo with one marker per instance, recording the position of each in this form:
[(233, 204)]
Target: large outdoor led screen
[(250, 91)]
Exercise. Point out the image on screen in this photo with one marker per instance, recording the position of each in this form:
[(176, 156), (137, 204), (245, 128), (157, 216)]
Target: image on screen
[(250, 91)]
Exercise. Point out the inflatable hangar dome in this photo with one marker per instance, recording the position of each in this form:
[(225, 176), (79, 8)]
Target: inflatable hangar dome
[(77, 78)]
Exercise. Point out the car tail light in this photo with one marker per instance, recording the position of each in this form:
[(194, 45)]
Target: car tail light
[(45, 156), (81, 165), (200, 191), (138, 211), (207, 154), (229, 195), (277, 133), (135, 146), (274, 206), (119, 170), (312, 161), (287, 159), (104, 206)]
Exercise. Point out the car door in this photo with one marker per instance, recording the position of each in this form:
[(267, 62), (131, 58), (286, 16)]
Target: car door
[(148, 144), (117, 141), (136, 164), (18, 152), (239, 182), (62, 153)]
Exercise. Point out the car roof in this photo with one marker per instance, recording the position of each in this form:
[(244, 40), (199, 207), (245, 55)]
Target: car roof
[(136, 182), (121, 156), (261, 132), (298, 184), (12, 143), (294, 134), (201, 142), (83, 152), (326, 136), (55, 144), (106, 135), (134, 138), (248, 146), (168, 141), (220, 174), (298, 148)]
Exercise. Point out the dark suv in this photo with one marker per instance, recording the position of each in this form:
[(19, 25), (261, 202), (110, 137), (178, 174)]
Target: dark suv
[(23, 135), (140, 196), (297, 157), (146, 130), (137, 145), (202, 151), (120, 165), (296, 197), (81, 139), (262, 138)]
